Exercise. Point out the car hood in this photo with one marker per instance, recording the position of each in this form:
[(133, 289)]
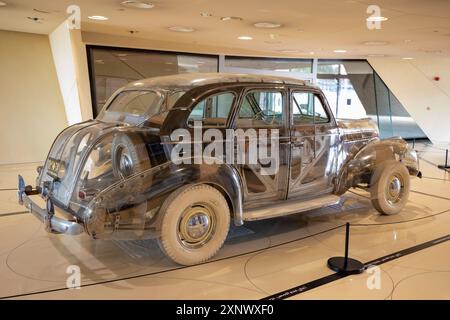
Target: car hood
[(357, 129)]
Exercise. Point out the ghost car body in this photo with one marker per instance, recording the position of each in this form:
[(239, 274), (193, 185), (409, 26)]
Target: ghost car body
[(115, 177)]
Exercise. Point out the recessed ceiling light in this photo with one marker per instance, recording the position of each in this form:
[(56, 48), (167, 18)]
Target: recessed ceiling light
[(205, 14), (181, 29), (312, 53), (137, 4), (407, 58), (245, 38), (375, 43), (273, 36), (122, 54), (101, 18), (267, 25), (231, 18), (2, 4), (376, 19), (340, 51)]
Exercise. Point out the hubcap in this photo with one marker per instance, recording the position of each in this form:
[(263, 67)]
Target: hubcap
[(394, 189), (196, 226), (125, 162)]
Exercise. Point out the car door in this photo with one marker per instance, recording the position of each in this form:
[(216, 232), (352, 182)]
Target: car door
[(313, 135), (264, 110)]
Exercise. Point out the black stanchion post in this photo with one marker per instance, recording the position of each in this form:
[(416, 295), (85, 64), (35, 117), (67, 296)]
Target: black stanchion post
[(347, 235), (345, 265), (445, 166)]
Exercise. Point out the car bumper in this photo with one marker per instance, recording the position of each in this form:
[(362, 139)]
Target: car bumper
[(47, 216)]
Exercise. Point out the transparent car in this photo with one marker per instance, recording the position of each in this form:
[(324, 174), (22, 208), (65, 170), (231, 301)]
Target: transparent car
[(132, 173)]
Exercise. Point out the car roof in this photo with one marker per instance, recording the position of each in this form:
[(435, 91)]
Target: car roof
[(191, 80)]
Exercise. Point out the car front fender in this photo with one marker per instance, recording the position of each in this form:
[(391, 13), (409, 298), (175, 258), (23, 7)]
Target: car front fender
[(359, 167)]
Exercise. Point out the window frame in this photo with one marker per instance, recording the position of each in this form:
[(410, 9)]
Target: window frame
[(285, 111), (317, 94), (207, 96)]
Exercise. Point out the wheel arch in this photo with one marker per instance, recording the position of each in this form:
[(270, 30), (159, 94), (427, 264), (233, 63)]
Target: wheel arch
[(360, 167)]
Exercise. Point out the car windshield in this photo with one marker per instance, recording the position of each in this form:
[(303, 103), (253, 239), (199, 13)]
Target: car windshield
[(135, 106)]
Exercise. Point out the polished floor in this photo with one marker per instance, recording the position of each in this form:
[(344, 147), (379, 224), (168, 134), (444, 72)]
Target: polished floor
[(258, 260)]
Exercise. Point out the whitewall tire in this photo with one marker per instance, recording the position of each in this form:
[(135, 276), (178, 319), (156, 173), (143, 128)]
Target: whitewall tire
[(389, 187), (195, 224)]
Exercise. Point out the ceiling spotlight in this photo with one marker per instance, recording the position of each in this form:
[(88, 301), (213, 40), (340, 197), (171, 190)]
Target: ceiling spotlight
[(273, 36), (245, 38), (267, 25), (181, 29), (137, 4), (407, 58), (340, 51), (231, 19), (376, 19), (100, 18), (205, 14), (2, 4)]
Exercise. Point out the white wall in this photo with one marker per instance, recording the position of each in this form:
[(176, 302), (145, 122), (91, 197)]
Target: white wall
[(69, 55), (427, 101), (31, 107)]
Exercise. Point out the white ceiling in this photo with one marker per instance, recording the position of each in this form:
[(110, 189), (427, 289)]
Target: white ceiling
[(416, 28)]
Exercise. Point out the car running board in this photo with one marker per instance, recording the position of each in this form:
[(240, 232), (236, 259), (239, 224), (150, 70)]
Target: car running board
[(290, 207)]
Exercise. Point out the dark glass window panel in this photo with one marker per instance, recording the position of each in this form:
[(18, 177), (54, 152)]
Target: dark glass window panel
[(113, 68)]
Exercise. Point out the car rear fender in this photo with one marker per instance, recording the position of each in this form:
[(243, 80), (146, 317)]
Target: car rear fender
[(131, 207)]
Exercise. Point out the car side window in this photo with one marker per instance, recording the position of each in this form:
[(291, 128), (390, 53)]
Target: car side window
[(261, 108), (307, 108), (213, 110)]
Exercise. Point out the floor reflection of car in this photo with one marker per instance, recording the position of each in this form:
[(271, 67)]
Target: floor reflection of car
[(114, 178)]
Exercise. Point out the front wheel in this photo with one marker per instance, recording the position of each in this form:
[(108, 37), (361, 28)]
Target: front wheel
[(195, 223), (389, 187)]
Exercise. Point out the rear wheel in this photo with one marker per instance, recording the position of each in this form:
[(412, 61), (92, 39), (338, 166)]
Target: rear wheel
[(195, 224), (390, 187)]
